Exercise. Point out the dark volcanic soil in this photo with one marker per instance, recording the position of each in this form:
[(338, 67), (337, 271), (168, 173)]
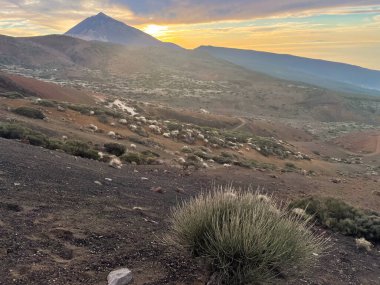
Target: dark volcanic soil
[(57, 226)]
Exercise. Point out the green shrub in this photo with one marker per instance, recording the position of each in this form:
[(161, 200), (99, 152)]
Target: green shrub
[(12, 131), (12, 95), (222, 159), (47, 103), (144, 158), (81, 149), (36, 139), (243, 238), (342, 217), (149, 153), (290, 165), (133, 157), (103, 119), (115, 148), (15, 131), (29, 112)]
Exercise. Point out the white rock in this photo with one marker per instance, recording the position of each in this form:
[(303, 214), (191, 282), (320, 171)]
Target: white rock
[(123, 121), (362, 243), (133, 146), (93, 127), (115, 163), (120, 277), (111, 134)]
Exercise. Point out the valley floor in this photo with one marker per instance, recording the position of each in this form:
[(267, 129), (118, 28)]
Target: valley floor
[(68, 220)]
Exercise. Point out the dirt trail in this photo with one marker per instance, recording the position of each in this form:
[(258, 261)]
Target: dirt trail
[(241, 125)]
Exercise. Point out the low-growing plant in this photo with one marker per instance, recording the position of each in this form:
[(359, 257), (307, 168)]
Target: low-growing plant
[(47, 103), (12, 95), (81, 149), (103, 119), (29, 112), (115, 148), (342, 217), (243, 239), (133, 157), (143, 158), (16, 131)]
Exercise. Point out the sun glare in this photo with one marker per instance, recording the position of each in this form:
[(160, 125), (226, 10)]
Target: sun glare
[(155, 30)]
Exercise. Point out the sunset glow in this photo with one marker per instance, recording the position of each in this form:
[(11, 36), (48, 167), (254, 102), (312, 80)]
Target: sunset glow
[(155, 30), (333, 31)]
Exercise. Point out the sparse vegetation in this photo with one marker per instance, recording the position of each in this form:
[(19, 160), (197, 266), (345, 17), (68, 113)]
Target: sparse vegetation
[(15, 131), (115, 148), (139, 158), (81, 149), (243, 238), (342, 217), (29, 112), (11, 95), (47, 103)]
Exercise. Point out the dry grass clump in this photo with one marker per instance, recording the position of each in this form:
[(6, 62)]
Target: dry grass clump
[(244, 238)]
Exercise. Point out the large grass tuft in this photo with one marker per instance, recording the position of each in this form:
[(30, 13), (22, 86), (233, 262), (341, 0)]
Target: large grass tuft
[(243, 237)]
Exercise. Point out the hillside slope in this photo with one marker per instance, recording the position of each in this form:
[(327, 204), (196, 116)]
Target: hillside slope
[(333, 75), (179, 78)]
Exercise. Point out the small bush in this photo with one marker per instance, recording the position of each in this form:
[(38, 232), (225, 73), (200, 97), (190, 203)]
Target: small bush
[(133, 157), (103, 119), (115, 148), (243, 238), (47, 103), (150, 153), (144, 158), (29, 112), (342, 217), (15, 131), (12, 95), (81, 149)]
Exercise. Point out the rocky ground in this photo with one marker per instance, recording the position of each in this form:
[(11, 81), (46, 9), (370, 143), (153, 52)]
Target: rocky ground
[(68, 220)]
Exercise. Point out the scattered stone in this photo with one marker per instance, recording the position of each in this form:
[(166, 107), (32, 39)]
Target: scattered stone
[(121, 276), (336, 180), (180, 190), (98, 183), (157, 190), (108, 179), (144, 178), (362, 243), (60, 108), (111, 134), (115, 163), (93, 127)]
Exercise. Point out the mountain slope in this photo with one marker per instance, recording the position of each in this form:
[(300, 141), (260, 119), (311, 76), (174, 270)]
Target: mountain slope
[(106, 29), (178, 77), (331, 75)]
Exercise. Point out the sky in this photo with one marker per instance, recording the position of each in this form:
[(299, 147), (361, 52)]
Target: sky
[(337, 30)]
